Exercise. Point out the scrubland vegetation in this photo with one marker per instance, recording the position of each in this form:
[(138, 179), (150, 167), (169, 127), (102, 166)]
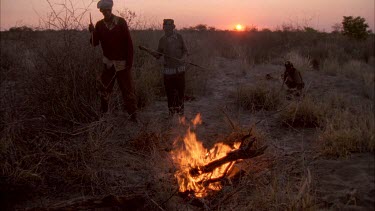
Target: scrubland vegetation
[(53, 142)]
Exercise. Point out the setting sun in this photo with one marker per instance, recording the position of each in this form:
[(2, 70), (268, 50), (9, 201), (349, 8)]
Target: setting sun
[(239, 27)]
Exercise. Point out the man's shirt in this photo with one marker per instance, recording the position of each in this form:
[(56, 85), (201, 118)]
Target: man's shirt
[(116, 42), (294, 76), (173, 46)]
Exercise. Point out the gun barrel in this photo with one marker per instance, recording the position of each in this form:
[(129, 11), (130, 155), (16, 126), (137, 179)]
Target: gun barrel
[(153, 52)]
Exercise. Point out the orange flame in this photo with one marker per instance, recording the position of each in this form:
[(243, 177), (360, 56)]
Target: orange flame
[(197, 120), (192, 154)]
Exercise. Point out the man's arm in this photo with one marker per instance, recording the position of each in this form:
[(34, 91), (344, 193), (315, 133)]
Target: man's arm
[(129, 47), (286, 74), (94, 39)]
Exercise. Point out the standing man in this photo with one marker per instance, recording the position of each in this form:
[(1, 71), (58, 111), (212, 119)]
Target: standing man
[(113, 34), (292, 78), (173, 48)]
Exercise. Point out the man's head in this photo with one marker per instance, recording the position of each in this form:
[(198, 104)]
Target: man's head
[(168, 26), (288, 65), (105, 7)]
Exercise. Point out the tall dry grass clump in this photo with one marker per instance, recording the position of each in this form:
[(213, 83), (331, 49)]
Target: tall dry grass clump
[(300, 62), (51, 136), (348, 132), (306, 112), (258, 97), (354, 70)]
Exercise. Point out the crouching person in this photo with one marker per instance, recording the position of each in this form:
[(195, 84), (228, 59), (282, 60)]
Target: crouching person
[(173, 49), (113, 34), (293, 79)]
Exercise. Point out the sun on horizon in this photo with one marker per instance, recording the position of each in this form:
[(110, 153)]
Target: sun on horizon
[(239, 27)]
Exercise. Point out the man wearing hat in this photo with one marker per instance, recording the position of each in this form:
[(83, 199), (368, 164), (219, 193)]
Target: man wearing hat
[(173, 48), (113, 34)]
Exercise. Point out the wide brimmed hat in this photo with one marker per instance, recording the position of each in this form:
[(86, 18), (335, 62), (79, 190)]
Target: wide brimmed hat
[(105, 4)]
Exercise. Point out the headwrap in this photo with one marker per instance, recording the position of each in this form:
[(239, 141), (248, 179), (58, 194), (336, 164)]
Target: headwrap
[(105, 4)]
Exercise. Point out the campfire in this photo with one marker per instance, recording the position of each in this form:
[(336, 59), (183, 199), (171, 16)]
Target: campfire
[(202, 171)]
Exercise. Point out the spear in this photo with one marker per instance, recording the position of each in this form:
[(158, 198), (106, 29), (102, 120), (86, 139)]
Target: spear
[(92, 33), (152, 52)]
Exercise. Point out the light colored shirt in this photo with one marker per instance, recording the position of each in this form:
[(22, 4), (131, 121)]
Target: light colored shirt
[(173, 46)]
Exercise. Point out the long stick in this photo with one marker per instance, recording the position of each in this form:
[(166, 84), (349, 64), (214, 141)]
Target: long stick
[(155, 52), (92, 33)]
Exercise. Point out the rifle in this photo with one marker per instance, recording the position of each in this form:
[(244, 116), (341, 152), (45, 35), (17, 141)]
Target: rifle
[(153, 53)]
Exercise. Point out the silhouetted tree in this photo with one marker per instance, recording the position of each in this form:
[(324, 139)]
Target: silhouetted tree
[(266, 30), (310, 29), (337, 28), (251, 29), (21, 29), (355, 27)]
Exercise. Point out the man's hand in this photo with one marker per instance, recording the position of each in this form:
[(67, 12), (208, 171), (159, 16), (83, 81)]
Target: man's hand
[(156, 55), (91, 27)]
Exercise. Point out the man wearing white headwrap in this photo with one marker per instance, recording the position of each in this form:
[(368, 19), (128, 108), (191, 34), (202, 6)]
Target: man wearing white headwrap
[(113, 34)]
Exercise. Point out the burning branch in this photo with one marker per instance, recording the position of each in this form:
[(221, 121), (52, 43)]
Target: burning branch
[(202, 171), (242, 153)]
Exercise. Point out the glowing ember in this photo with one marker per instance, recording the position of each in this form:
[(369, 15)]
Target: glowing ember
[(192, 155)]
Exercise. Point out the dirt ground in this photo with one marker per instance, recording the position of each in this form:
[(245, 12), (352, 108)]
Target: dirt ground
[(340, 184), (344, 184)]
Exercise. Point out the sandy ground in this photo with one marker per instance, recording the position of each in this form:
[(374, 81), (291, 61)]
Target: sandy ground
[(346, 184)]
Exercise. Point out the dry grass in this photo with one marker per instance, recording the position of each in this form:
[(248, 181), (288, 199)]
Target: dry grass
[(331, 67), (368, 81), (354, 70), (259, 97), (347, 132), (276, 191), (299, 62), (304, 113)]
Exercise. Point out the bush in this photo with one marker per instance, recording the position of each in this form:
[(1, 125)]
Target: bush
[(348, 132), (306, 113), (258, 97), (355, 27)]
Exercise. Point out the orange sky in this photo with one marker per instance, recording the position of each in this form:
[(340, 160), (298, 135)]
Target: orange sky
[(223, 14)]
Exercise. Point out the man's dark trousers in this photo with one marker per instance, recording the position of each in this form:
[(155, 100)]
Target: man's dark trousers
[(175, 89)]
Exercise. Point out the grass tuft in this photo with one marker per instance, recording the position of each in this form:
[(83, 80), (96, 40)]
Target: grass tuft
[(306, 113), (258, 97), (348, 132)]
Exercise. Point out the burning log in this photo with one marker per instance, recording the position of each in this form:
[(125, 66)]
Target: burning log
[(201, 171), (241, 153)]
